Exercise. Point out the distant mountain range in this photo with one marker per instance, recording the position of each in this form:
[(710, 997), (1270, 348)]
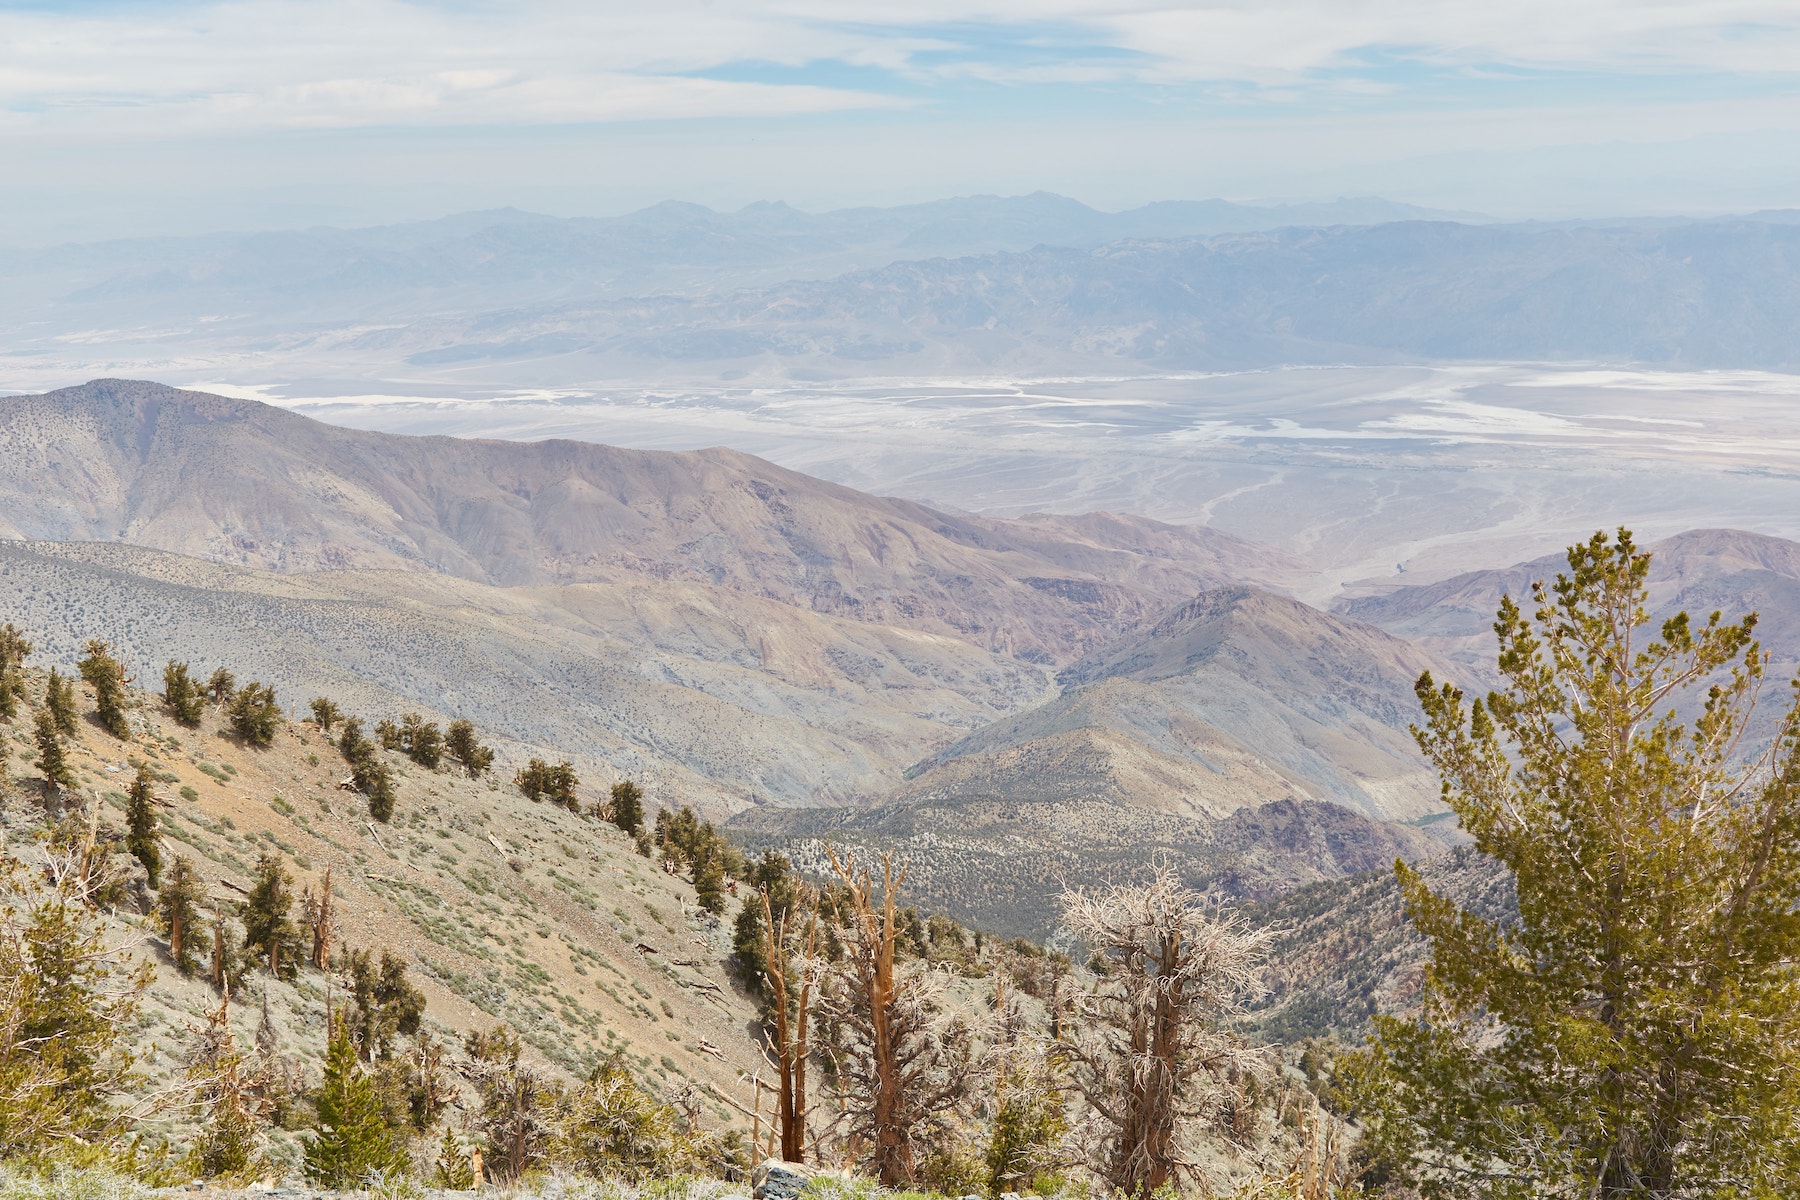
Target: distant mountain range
[(1710, 295), (984, 285), (480, 260)]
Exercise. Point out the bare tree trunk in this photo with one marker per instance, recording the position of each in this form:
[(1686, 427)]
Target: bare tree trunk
[(791, 1044), (893, 1145), (322, 925)]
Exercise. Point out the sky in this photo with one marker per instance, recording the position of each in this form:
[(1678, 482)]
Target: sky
[(130, 117)]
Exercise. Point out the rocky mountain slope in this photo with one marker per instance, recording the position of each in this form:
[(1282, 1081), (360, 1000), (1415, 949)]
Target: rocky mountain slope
[(705, 695), (1235, 698), (246, 483), (503, 910), (1254, 741)]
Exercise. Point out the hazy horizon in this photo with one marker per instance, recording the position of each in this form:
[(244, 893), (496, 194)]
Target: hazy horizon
[(183, 116)]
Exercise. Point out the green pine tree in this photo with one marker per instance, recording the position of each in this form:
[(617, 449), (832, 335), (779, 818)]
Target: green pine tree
[(14, 650), (353, 1136), (106, 675), (628, 806), (268, 927), (178, 907), (1636, 1030), (141, 836), (52, 760), (467, 749), (59, 698), (325, 714), (182, 694), (422, 741), (221, 685), (709, 884), (254, 714), (454, 1171)]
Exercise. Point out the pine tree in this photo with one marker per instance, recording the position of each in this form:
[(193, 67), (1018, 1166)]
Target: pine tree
[(709, 885), (353, 1136), (541, 781), (14, 650), (422, 741), (52, 761), (254, 714), (221, 685), (59, 698), (386, 1003), (182, 695), (177, 905), (367, 772), (628, 806), (467, 750), (141, 836), (325, 714), (106, 675), (68, 998), (1635, 1031), (453, 1171), (268, 929)]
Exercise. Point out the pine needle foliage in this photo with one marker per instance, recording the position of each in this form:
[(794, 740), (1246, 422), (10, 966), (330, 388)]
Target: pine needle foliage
[(141, 836), (59, 699), (14, 650), (466, 748), (53, 760), (182, 695), (1636, 1032), (254, 714), (66, 997), (628, 806), (221, 685), (368, 774), (325, 714), (269, 928), (611, 1127), (539, 780), (352, 1137), (106, 675), (178, 909)]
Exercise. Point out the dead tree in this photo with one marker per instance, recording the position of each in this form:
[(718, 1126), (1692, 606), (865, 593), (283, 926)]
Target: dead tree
[(316, 915), (903, 1061), (791, 1008), (1150, 1056)]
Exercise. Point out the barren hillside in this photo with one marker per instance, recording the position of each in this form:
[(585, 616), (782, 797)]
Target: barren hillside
[(240, 482)]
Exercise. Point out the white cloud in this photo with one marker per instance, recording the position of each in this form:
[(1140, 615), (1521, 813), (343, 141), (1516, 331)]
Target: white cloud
[(249, 64)]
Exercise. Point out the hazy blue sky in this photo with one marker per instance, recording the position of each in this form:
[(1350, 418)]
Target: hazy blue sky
[(145, 115)]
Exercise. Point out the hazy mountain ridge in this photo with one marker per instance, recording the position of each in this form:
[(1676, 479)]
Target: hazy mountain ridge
[(704, 695), (475, 259), (1715, 294), (1233, 699), (1255, 742), (1729, 571), (244, 482)]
